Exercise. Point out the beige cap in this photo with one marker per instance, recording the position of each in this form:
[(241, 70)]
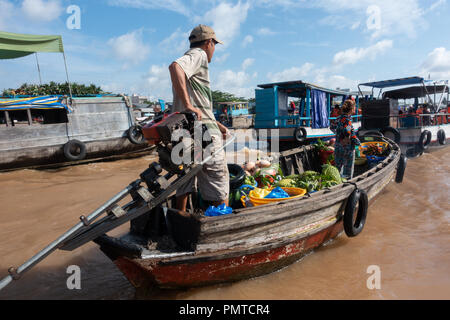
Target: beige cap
[(202, 32)]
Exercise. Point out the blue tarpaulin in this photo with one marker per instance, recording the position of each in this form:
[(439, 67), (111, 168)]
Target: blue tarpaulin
[(42, 102), (319, 110)]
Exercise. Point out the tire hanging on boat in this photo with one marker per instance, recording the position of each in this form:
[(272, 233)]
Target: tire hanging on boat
[(354, 225), (300, 134), (74, 150), (441, 137), (394, 131), (401, 168), (423, 145), (135, 135)]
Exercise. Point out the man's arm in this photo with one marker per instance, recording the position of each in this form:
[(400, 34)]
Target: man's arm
[(179, 84), (223, 129)]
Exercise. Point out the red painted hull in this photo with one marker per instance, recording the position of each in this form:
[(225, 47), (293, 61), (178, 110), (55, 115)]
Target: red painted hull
[(143, 273)]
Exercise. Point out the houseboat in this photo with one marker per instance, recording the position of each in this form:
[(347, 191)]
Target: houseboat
[(40, 130), (415, 114), (50, 130), (277, 120)]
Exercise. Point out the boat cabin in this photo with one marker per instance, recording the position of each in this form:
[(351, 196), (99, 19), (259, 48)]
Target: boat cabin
[(288, 106), (415, 114)]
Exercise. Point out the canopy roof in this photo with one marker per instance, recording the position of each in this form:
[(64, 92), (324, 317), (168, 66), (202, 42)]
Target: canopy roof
[(393, 82), (14, 45), (415, 92), (300, 86)]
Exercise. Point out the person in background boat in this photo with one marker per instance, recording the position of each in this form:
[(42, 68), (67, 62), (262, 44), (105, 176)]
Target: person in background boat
[(426, 119), (336, 112), (292, 107), (192, 92), (346, 141)]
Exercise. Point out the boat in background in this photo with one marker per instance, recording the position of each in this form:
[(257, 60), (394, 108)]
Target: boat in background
[(420, 122), (235, 114), (44, 127), (309, 121), (51, 130)]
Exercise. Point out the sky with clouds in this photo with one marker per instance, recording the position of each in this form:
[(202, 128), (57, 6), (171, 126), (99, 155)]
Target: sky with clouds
[(126, 46)]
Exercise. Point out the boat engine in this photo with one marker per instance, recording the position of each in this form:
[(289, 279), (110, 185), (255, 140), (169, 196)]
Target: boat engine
[(167, 132)]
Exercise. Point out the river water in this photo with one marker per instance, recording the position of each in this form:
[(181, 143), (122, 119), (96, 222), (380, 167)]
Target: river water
[(406, 238)]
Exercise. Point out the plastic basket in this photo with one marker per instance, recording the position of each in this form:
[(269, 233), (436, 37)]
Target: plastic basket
[(258, 201), (365, 145)]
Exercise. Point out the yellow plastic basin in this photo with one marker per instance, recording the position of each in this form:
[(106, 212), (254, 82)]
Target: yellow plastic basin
[(257, 195)]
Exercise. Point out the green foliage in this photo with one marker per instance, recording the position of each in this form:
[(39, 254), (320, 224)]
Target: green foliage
[(54, 88)]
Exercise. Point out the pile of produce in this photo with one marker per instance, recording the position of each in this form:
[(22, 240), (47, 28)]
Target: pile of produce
[(53, 88), (265, 175), (262, 173), (374, 150), (312, 180)]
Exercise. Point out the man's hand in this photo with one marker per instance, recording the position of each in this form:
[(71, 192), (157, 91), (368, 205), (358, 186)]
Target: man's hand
[(224, 130), (197, 112)]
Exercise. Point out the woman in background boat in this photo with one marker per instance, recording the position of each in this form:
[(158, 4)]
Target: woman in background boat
[(346, 141)]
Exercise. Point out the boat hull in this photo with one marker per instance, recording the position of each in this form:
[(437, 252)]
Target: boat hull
[(144, 273), (244, 246)]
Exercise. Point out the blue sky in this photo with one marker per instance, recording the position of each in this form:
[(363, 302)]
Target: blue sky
[(126, 46)]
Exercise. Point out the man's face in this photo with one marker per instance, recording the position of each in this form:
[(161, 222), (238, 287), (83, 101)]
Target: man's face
[(210, 48)]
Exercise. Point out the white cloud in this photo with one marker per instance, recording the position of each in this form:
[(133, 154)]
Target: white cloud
[(437, 64), (265, 32), (395, 17), (352, 56), (236, 83), (41, 10), (172, 5), (226, 20), (222, 58), (130, 48), (291, 74), (159, 83), (247, 63), (176, 43), (247, 40)]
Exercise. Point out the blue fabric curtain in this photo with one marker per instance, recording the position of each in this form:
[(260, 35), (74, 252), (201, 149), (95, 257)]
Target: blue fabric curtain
[(319, 110)]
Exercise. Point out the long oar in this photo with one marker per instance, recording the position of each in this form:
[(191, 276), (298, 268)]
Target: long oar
[(15, 274)]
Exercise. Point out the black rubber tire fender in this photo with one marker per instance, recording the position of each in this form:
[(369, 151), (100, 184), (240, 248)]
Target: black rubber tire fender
[(239, 176), (395, 132), (424, 145), (401, 168), (441, 137), (358, 197), (72, 155), (300, 134), (135, 135)]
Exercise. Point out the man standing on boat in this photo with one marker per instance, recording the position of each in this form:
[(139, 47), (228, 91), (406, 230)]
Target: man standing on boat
[(192, 92)]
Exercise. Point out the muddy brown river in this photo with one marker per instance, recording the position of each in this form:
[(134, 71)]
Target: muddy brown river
[(406, 238)]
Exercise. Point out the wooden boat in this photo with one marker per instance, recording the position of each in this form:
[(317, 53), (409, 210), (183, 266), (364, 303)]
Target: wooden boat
[(170, 249), (415, 129), (36, 134), (42, 130)]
